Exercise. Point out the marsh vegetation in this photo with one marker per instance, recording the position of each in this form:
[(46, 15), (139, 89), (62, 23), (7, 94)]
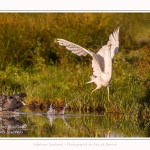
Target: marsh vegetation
[(31, 60)]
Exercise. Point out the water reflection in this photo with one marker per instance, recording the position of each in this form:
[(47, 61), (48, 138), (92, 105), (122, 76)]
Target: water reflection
[(11, 125), (32, 124), (79, 124)]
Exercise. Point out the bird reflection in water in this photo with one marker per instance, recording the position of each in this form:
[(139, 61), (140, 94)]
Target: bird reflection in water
[(51, 113), (11, 125)]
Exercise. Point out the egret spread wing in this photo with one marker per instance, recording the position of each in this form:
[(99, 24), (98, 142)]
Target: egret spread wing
[(76, 49), (97, 65), (114, 38), (114, 41), (99, 62)]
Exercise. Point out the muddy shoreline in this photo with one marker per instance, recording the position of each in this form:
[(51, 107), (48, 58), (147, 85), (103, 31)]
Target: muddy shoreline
[(34, 105)]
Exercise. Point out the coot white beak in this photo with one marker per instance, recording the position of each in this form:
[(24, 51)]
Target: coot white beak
[(23, 103)]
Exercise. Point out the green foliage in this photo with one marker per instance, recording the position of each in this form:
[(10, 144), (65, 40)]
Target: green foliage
[(28, 40)]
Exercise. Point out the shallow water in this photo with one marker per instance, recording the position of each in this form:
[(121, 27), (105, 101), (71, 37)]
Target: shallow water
[(77, 124)]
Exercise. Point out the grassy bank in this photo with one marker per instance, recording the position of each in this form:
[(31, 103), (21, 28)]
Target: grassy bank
[(60, 85)]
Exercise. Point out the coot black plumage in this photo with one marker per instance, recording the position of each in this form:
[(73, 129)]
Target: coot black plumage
[(10, 103)]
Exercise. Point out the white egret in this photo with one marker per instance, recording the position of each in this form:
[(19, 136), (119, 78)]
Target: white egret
[(102, 60)]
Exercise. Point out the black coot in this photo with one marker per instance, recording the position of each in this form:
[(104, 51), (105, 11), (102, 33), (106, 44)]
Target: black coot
[(10, 103)]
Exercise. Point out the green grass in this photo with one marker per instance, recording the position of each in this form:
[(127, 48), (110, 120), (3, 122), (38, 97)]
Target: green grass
[(60, 85)]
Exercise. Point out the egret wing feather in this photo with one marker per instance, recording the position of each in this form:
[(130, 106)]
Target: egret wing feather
[(114, 38), (99, 61), (96, 65), (80, 51), (114, 41), (76, 49)]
